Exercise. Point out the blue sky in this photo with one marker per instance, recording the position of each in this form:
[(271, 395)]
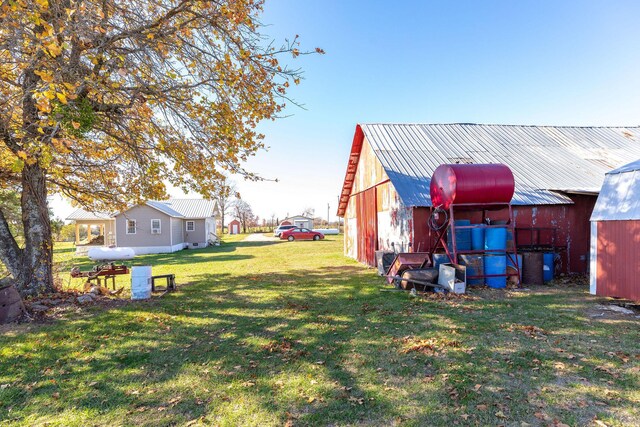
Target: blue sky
[(515, 62)]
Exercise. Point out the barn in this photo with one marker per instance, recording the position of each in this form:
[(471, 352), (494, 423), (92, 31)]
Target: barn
[(615, 235), (385, 200)]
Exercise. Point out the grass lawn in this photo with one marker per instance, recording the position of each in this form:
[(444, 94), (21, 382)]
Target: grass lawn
[(278, 333)]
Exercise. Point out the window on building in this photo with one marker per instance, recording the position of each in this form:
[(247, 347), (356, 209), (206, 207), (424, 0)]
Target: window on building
[(191, 225), (155, 226), (131, 226)]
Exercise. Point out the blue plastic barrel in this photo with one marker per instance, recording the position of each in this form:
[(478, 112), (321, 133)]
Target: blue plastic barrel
[(439, 259), (512, 264), (475, 267), (495, 264), (477, 238), (463, 236), (495, 239), (548, 266)]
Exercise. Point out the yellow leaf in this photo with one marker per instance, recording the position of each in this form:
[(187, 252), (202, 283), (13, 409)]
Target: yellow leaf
[(75, 125), (44, 75), (62, 97), (150, 36), (54, 49)]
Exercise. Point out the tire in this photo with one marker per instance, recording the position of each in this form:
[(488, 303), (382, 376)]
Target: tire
[(316, 237), (291, 238)]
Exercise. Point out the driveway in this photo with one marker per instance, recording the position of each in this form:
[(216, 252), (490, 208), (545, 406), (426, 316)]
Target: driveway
[(259, 237)]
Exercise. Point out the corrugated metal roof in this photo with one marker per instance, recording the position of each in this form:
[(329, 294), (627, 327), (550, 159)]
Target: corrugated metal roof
[(177, 208), (187, 208), (619, 199), (542, 158), (629, 167), (81, 214), (163, 206)]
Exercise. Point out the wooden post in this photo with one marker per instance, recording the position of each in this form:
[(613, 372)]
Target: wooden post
[(77, 233)]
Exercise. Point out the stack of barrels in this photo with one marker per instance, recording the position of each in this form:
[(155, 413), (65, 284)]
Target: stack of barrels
[(496, 241)]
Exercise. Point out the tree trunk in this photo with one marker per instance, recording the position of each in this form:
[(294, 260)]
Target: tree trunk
[(35, 276)]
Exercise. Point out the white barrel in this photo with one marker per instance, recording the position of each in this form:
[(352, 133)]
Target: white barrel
[(141, 282)]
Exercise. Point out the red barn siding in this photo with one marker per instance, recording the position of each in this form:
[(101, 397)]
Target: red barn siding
[(367, 218), (618, 259)]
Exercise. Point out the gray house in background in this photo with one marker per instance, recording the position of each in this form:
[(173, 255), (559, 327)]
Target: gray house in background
[(152, 227)]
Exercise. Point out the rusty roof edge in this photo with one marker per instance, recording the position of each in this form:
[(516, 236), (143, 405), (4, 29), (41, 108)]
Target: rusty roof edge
[(356, 149)]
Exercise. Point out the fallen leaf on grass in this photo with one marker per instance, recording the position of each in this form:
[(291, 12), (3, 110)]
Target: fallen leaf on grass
[(481, 407), (542, 416), (600, 423), (477, 387), (427, 346), (311, 399), (500, 414), (192, 422), (354, 400)]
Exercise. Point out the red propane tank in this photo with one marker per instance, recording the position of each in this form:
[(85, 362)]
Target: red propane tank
[(457, 184)]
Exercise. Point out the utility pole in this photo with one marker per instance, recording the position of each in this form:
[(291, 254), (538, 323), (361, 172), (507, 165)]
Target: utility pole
[(328, 215)]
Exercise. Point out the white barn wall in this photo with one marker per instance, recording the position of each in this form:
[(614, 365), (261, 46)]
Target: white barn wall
[(394, 230), (394, 219)]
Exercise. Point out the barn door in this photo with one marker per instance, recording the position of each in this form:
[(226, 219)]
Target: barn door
[(367, 226)]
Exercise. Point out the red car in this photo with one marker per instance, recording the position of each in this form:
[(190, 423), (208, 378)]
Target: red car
[(301, 234)]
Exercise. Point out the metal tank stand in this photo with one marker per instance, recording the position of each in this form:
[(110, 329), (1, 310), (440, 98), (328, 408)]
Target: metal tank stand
[(484, 207)]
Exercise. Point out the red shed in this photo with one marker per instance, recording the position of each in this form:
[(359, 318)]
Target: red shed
[(234, 227), (558, 171), (615, 235)]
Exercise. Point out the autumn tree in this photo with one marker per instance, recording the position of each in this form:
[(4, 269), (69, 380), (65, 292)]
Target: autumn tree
[(105, 101), (224, 195), (244, 213)]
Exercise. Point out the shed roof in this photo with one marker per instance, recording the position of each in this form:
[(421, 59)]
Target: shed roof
[(619, 198), (546, 161)]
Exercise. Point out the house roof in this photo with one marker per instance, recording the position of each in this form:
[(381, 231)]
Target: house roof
[(547, 161), (190, 208), (177, 208), (164, 207), (81, 214), (619, 198)]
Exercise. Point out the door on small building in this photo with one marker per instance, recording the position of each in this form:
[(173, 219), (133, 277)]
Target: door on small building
[(367, 215)]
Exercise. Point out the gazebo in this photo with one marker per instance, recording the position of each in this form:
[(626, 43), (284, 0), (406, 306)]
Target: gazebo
[(103, 221)]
